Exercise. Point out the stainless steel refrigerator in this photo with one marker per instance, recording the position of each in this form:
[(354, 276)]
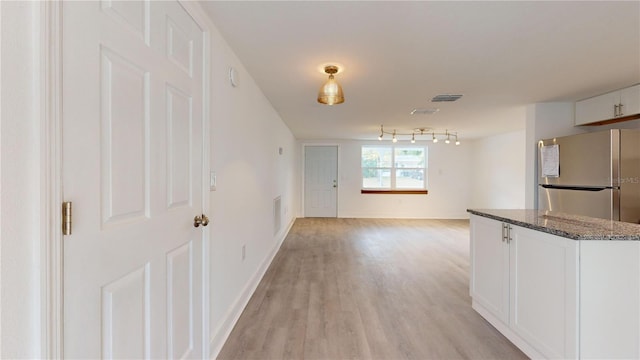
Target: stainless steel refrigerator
[(594, 174)]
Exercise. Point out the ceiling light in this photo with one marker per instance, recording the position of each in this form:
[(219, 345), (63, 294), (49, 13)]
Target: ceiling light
[(422, 131), (331, 92)]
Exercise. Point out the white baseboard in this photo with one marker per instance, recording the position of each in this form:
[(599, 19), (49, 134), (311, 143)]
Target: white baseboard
[(461, 216), (220, 335)]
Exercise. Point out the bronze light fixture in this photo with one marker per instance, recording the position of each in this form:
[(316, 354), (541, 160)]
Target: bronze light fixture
[(447, 135), (331, 92)]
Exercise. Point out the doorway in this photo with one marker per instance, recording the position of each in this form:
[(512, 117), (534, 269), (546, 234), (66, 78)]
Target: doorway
[(321, 181)]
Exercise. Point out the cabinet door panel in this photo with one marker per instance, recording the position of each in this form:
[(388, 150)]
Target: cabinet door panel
[(630, 99), (489, 267), (597, 108), (544, 307)]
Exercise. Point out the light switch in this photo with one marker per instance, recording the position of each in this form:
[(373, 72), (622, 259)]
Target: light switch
[(212, 181)]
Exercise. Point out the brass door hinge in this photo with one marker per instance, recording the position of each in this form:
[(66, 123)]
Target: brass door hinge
[(66, 218)]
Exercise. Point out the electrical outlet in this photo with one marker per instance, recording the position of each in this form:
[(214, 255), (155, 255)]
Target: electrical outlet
[(244, 251)]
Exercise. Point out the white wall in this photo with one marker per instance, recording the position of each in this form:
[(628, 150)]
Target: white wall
[(449, 173), (499, 171), (20, 179), (543, 121), (548, 120), (246, 133)]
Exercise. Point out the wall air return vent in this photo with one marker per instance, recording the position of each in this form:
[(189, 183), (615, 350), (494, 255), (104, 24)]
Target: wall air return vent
[(445, 98)]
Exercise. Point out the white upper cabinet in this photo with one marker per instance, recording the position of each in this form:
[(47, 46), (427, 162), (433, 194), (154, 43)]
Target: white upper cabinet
[(630, 101), (612, 105)]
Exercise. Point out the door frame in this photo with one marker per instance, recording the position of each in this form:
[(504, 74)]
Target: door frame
[(302, 174), (50, 61)]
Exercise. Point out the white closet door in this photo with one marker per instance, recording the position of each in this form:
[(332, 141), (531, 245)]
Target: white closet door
[(132, 166)]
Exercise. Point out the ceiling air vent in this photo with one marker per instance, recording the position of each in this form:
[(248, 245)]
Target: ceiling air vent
[(424, 111), (445, 97)]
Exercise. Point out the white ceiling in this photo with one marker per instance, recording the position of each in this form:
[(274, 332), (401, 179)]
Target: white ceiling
[(397, 55)]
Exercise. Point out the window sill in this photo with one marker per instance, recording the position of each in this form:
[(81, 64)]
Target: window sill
[(402, 192)]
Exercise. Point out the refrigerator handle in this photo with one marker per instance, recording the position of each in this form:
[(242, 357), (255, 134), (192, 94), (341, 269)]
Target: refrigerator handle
[(579, 188), (615, 213)]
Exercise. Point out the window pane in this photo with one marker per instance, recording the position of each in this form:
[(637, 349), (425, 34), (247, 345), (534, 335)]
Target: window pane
[(373, 156), (410, 179), (376, 178), (410, 158)]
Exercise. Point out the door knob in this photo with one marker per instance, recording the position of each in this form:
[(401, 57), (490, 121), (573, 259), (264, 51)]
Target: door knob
[(200, 220)]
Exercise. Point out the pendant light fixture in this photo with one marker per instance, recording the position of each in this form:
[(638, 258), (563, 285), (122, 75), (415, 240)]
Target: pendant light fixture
[(331, 92)]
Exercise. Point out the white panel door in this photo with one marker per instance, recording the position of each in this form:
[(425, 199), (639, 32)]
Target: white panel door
[(132, 153), (320, 181)]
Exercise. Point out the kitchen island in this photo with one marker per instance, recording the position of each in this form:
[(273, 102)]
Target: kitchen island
[(558, 285)]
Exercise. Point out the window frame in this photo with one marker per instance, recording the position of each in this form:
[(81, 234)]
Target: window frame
[(393, 169)]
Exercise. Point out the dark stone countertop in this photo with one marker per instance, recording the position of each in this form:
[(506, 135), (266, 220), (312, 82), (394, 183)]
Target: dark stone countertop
[(566, 225)]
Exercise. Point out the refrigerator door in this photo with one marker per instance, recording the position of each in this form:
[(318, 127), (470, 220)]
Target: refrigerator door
[(630, 176), (585, 159), (594, 203)]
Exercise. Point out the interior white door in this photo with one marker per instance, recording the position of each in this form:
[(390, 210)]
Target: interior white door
[(132, 166), (320, 181)]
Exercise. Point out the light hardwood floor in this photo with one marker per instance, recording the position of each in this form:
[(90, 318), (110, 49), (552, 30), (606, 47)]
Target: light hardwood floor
[(367, 289)]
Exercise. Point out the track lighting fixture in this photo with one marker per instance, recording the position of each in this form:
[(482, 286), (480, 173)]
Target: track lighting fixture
[(446, 135)]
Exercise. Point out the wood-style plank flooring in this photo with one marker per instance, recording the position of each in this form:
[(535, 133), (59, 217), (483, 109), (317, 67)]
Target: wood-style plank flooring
[(367, 289)]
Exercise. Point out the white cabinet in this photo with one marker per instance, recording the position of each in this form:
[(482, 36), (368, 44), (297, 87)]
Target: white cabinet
[(610, 106), (524, 282), (610, 299), (554, 297), (543, 291), (630, 101), (597, 108), (489, 283)]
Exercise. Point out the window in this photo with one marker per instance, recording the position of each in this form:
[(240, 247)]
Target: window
[(394, 168)]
